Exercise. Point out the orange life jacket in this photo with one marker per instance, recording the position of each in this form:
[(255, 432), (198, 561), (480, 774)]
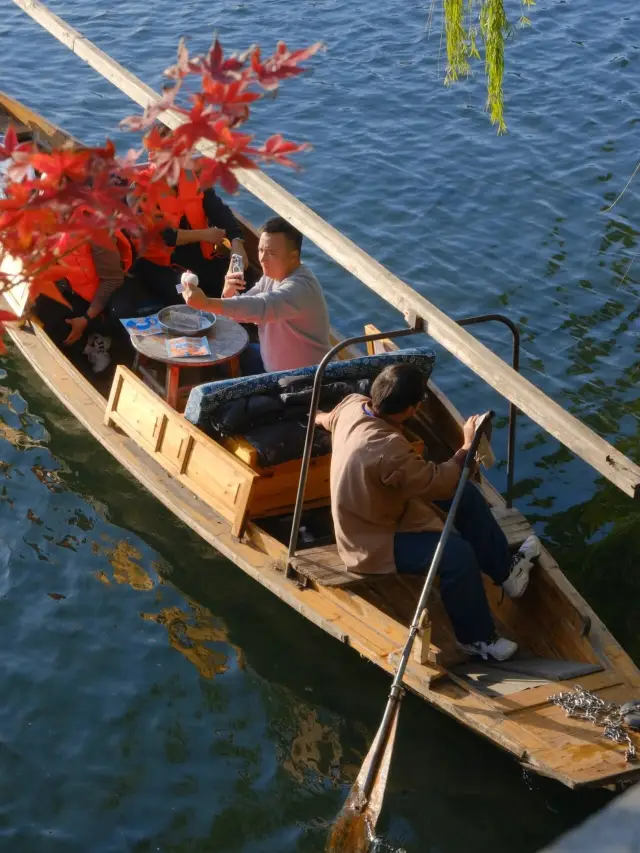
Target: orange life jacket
[(79, 268), (187, 202)]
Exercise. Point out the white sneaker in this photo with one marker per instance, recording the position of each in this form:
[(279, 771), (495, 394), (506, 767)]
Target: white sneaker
[(97, 351), (521, 566), (498, 648)]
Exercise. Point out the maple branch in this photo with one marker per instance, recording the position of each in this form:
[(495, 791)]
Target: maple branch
[(47, 193)]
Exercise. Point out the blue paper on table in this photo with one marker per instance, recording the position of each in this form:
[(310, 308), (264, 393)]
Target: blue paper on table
[(185, 347), (143, 325)]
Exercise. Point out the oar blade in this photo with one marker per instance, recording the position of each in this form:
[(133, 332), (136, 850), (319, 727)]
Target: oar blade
[(354, 829)]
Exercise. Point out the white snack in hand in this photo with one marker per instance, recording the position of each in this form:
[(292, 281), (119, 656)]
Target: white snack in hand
[(187, 278)]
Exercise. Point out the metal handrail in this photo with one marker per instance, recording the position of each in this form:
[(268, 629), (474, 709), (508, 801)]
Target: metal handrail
[(513, 410), (377, 336), (311, 426)]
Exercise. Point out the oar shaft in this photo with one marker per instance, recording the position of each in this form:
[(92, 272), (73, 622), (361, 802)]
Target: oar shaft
[(396, 686)]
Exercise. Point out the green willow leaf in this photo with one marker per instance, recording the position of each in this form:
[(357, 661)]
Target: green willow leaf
[(463, 19)]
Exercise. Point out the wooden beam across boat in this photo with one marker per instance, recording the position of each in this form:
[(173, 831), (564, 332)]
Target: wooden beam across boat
[(571, 432)]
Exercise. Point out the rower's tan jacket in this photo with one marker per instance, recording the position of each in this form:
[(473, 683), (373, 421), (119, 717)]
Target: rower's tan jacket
[(380, 486)]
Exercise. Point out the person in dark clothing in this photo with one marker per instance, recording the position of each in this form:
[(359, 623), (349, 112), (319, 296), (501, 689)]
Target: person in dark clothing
[(99, 293), (202, 221)]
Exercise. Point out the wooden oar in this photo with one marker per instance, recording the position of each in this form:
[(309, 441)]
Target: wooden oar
[(354, 829)]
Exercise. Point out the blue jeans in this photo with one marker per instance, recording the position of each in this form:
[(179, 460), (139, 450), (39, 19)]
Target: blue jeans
[(251, 361), (478, 546)]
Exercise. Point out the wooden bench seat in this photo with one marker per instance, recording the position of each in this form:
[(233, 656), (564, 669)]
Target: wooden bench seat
[(275, 488), (324, 566)]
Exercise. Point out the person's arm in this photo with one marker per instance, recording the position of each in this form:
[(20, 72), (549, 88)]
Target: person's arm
[(220, 214), (327, 420), (109, 269), (272, 306), (323, 419), (404, 469), (195, 297), (183, 236)]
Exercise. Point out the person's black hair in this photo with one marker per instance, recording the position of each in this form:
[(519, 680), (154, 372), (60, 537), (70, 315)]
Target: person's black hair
[(396, 388), (278, 225)]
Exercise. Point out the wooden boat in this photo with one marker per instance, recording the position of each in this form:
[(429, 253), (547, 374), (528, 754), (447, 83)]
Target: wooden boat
[(241, 509)]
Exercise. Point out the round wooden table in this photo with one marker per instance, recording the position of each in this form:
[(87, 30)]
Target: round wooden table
[(226, 338)]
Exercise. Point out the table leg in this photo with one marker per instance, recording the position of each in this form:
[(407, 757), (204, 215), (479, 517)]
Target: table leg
[(173, 382), (234, 367)]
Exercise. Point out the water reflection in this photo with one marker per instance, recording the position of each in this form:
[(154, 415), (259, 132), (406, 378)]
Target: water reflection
[(190, 632), (315, 751), (201, 638), (125, 560)]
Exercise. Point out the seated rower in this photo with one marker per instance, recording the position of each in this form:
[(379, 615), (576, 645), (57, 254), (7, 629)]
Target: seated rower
[(197, 223), (388, 504), (287, 304)]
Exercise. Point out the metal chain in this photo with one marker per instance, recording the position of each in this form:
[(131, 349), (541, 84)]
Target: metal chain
[(583, 705)]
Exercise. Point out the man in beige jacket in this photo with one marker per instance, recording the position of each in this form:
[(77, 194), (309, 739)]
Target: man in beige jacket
[(388, 506)]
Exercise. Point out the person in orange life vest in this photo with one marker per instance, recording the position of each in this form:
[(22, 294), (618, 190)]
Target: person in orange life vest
[(94, 281), (197, 223)]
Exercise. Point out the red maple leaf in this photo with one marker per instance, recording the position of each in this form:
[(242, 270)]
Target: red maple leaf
[(231, 99), (220, 171), (62, 165), (277, 149), (216, 67), (17, 196), (184, 65), (202, 123), (148, 190), (43, 284), (10, 143), (215, 172), (283, 64), (151, 113)]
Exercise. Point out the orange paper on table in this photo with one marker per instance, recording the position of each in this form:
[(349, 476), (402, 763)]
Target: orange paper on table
[(185, 347)]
